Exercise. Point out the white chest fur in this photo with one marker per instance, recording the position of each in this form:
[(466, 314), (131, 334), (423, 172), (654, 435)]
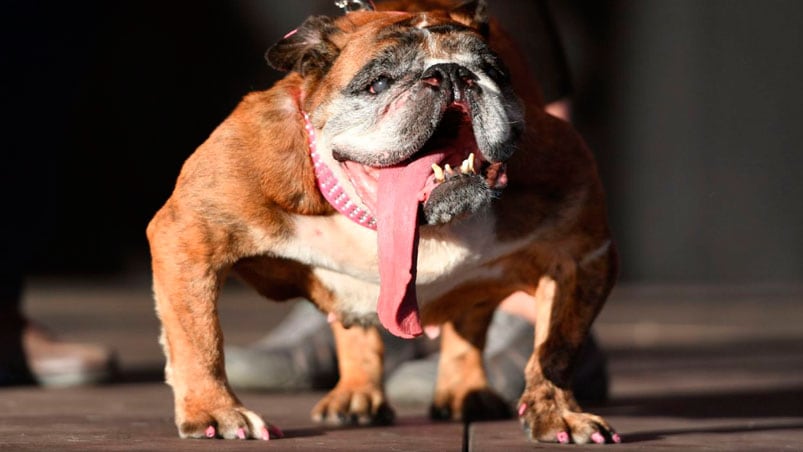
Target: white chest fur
[(344, 257)]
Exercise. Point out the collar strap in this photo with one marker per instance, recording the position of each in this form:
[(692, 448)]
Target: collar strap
[(330, 186)]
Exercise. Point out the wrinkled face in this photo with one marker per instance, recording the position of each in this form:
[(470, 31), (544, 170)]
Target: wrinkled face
[(430, 94)]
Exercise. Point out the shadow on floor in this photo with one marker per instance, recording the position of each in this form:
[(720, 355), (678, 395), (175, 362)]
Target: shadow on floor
[(740, 407), (786, 402), (638, 437)]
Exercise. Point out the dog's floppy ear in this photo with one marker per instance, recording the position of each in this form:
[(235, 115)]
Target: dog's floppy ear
[(307, 50), (476, 12)]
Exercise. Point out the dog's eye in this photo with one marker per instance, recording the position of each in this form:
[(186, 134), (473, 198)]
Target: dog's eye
[(495, 70), (494, 73), (379, 85)]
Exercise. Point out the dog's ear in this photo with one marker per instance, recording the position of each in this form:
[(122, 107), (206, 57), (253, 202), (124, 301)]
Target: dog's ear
[(476, 12), (307, 50)]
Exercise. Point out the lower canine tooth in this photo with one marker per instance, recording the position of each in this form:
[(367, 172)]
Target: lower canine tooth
[(438, 172), (464, 167), (467, 167)]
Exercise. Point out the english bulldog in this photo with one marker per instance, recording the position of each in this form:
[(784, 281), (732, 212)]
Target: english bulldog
[(405, 176)]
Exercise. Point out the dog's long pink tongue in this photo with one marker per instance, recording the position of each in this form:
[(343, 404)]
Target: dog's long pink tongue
[(397, 228)]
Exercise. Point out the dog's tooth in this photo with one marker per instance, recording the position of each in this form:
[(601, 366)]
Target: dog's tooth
[(448, 170), (439, 176), (467, 167), (464, 167)]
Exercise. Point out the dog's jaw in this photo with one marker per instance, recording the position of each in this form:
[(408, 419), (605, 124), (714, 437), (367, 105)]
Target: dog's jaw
[(454, 160), (330, 186)]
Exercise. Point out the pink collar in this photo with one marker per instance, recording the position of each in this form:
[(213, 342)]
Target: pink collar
[(330, 186)]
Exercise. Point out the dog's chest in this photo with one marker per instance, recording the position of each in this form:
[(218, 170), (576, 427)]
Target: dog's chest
[(344, 257)]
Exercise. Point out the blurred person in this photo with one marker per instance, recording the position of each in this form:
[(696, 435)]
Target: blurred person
[(33, 355), (41, 55), (299, 353)]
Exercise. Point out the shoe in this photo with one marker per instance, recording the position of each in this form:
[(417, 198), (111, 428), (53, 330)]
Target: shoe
[(413, 382), (299, 354), (509, 347), (37, 357)]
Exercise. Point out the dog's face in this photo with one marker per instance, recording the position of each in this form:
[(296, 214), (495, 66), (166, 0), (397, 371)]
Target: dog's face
[(415, 116), (396, 88)]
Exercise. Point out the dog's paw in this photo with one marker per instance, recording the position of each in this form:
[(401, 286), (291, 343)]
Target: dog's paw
[(234, 422), (476, 405), (553, 425), (350, 406)]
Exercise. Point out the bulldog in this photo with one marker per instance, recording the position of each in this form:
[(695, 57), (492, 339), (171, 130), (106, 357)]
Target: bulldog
[(395, 178)]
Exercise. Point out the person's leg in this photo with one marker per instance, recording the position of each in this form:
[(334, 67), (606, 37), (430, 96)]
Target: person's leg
[(32, 355), (509, 346), (299, 354), (13, 366), (38, 43)]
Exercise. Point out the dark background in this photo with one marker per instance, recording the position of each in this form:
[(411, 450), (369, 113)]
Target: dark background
[(693, 109)]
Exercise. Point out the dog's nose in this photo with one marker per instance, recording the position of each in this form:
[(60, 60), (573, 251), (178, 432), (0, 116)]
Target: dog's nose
[(451, 78)]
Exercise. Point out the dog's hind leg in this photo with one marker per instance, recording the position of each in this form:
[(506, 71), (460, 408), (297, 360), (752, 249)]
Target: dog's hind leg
[(359, 396), (462, 391)]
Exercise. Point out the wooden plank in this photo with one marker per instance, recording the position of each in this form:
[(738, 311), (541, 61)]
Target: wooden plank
[(691, 370), (138, 417), (657, 432)]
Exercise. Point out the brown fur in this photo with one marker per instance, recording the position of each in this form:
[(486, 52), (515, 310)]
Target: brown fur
[(358, 395), (237, 192)]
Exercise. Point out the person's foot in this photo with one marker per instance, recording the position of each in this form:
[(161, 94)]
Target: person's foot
[(35, 356), (510, 344), (300, 354)]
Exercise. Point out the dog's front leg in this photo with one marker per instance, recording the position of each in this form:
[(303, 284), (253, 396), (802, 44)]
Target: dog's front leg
[(186, 287), (567, 300), (359, 396)]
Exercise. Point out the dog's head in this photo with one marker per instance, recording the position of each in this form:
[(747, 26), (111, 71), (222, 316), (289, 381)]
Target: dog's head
[(415, 115)]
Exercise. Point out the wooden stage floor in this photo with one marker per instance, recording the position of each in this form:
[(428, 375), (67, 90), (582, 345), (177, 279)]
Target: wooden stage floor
[(693, 368)]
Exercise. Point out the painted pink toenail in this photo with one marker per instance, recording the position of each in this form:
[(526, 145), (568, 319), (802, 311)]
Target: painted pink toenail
[(210, 432), (265, 434), (616, 438), (598, 438), (563, 438), (241, 433), (522, 409)]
